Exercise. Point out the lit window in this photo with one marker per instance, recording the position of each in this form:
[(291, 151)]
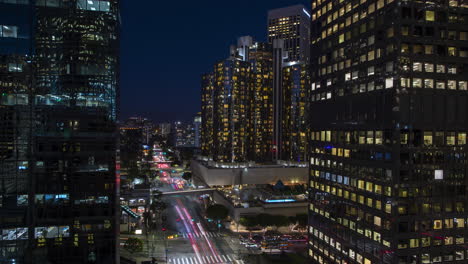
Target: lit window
[(15, 67), (428, 138), (9, 31), (462, 85), (429, 67), (440, 68), (417, 83), (389, 83), (452, 51), (452, 85), (428, 83), (440, 85), (417, 66), (452, 69), (347, 76), (430, 15), (461, 138), (94, 5)]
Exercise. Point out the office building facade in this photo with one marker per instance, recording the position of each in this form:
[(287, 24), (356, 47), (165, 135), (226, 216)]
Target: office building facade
[(292, 25), (295, 84), (197, 121), (289, 33), (388, 168), (59, 91)]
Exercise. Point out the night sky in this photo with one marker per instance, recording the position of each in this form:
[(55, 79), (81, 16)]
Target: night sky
[(167, 45)]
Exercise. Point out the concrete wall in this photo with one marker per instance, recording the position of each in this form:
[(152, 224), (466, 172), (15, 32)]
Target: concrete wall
[(286, 209), (256, 175)]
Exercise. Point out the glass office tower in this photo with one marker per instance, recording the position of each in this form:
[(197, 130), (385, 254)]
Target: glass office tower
[(291, 24), (58, 106), (388, 154)]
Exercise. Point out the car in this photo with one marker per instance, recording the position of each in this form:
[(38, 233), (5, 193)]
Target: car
[(251, 245), (243, 242)]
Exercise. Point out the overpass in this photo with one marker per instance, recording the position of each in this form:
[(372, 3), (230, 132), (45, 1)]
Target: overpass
[(205, 190)]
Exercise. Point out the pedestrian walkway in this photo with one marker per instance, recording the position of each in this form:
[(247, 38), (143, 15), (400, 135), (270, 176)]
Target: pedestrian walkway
[(200, 235), (227, 259)]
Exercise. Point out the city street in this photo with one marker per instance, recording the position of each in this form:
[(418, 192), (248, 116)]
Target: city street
[(197, 241)]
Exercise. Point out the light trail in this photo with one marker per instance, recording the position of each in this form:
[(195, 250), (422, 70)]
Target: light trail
[(210, 245), (192, 240)]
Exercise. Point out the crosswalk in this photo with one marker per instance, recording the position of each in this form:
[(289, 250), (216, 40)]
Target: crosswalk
[(205, 260), (200, 235)]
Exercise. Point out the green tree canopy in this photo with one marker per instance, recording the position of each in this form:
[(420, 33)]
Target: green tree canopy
[(302, 219), (217, 212), (187, 176), (248, 222), (133, 245)]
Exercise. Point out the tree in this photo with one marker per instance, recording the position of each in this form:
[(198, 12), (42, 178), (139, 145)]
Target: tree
[(133, 245), (248, 222), (217, 212), (302, 219), (133, 172), (157, 205), (187, 176), (264, 220), (279, 220)]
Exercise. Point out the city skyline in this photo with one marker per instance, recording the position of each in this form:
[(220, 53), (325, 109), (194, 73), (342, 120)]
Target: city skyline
[(245, 132), (145, 63)]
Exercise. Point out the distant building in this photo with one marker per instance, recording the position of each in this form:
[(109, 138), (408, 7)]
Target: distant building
[(289, 33), (261, 81), (253, 103), (227, 108), (207, 114), (183, 134), (131, 145), (292, 25), (197, 120), (146, 125), (231, 110), (165, 129), (294, 141)]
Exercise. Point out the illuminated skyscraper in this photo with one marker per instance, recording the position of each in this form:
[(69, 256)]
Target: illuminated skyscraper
[(231, 110), (291, 24), (207, 134), (388, 154), (261, 80), (196, 126), (295, 83), (289, 33), (237, 105), (58, 106)]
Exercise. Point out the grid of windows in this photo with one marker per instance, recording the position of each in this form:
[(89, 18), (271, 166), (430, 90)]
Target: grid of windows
[(388, 149)]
